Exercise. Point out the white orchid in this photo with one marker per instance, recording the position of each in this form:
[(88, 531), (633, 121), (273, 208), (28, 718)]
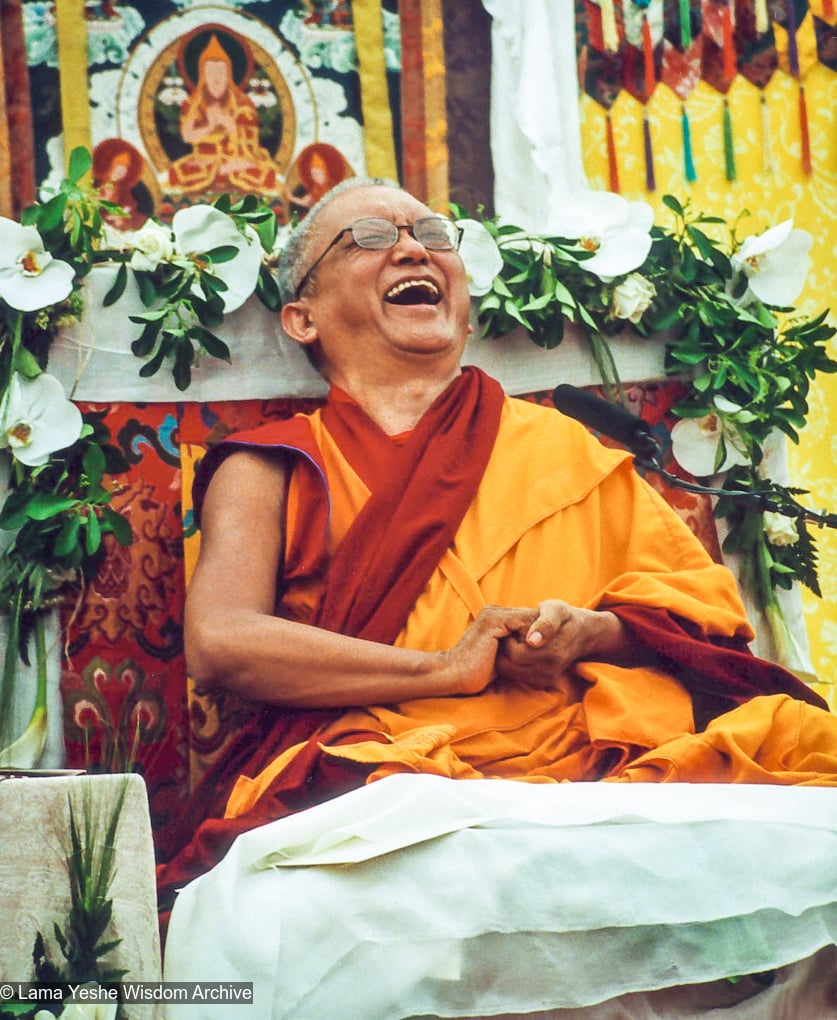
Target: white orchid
[(152, 243), (775, 263), (632, 297), (480, 255), (695, 441), (36, 419), (30, 278), (615, 230), (201, 228)]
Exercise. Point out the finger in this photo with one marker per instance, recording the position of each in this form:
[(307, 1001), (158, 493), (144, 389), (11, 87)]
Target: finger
[(552, 615)]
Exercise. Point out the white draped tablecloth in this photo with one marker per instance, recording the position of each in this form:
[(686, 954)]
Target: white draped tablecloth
[(423, 896)]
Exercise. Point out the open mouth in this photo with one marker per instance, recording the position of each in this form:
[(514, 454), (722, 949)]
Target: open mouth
[(414, 292)]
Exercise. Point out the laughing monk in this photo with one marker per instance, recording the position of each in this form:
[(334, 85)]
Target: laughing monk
[(429, 576)]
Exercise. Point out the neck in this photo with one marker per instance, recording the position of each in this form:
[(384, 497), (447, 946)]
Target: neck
[(396, 407)]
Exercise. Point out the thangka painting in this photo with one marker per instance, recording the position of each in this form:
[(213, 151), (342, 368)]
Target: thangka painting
[(191, 100)]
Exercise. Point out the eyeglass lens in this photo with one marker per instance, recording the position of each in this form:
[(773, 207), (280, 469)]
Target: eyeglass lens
[(431, 231)]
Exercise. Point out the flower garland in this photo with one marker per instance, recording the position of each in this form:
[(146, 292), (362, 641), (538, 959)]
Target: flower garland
[(724, 303)]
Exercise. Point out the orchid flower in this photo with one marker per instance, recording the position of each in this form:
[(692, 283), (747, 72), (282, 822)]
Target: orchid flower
[(775, 263), (30, 278), (615, 230), (36, 419), (480, 255), (695, 441), (200, 228)]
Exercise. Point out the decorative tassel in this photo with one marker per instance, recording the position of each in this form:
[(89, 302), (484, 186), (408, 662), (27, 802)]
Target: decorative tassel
[(688, 159), (685, 24), (793, 51), (650, 180), (729, 48), (767, 161), (610, 33), (729, 149), (805, 141), (613, 166), (648, 57), (762, 21)]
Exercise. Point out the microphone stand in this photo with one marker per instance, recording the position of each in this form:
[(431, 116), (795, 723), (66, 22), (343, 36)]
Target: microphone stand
[(647, 455)]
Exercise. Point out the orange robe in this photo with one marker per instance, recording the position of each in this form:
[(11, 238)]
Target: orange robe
[(558, 515)]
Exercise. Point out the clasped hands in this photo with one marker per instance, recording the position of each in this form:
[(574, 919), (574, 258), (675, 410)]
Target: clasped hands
[(535, 646)]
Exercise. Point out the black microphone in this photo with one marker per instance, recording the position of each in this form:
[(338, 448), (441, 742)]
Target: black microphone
[(608, 418), (626, 428)]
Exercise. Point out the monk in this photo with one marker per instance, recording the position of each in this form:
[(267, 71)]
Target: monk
[(429, 576)]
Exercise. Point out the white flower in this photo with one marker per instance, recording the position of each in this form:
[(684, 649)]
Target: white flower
[(480, 255), (775, 263), (616, 230), (36, 419), (30, 278), (695, 441), (200, 228), (153, 243), (779, 529), (632, 297)]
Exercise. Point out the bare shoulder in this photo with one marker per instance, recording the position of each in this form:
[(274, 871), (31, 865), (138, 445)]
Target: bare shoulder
[(249, 481)]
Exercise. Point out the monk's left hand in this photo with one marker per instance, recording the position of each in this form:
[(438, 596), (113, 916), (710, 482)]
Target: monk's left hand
[(560, 636)]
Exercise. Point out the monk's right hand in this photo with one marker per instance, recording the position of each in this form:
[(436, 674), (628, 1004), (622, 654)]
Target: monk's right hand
[(471, 661)]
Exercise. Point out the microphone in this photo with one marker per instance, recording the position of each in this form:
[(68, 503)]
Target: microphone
[(629, 430), (608, 418)]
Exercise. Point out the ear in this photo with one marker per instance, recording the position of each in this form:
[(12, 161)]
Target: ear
[(297, 323)]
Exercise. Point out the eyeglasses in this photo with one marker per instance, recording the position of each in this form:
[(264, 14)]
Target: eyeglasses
[(436, 233)]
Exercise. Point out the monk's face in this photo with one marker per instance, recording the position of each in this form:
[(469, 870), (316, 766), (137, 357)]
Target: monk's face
[(376, 310)]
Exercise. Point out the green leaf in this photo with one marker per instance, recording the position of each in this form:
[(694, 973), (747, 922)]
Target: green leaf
[(80, 162), (67, 537), (93, 534), (94, 463), (118, 525), (223, 253), (213, 345), (118, 288), (44, 505)]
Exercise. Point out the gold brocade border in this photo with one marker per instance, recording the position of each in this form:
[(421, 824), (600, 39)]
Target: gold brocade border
[(71, 29), (374, 93), (5, 149), (435, 97)]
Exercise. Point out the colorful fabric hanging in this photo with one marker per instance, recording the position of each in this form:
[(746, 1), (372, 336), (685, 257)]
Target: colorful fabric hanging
[(643, 21), (797, 45), (720, 66), (601, 44), (71, 27), (680, 70), (758, 61), (374, 92)]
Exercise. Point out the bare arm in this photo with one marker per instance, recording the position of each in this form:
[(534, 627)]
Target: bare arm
[(234, 641)]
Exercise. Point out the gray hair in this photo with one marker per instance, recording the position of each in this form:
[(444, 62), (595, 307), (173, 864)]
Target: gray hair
[(295, 254)]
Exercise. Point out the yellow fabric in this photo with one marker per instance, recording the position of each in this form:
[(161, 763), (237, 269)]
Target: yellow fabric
[(770, 197), (71, 28), (374, 94), (435, 111), (592, 533)]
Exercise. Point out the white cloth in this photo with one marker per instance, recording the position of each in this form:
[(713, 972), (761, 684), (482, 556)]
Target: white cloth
[(534, 118), (93, 359), (419, 895)]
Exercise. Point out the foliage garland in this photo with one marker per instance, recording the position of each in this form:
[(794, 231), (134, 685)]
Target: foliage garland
[(748, 364)]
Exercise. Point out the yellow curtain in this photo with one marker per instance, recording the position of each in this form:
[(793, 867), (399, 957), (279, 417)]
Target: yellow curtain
[(71, 28), (771, 196), (377, 117)]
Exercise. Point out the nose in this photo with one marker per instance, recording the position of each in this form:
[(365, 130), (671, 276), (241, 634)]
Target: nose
[(407, 248)]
